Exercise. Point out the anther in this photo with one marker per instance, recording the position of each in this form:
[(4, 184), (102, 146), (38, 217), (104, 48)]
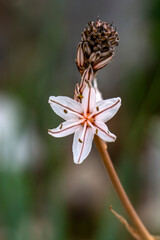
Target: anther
[(96, 131), (61, 126), (80, 140), (80, 96), (65, 111), (97, 108)]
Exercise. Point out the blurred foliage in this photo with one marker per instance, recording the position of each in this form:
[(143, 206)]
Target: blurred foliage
[(33, 166)]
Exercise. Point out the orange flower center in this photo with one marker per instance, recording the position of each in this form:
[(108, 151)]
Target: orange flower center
[(87, 118)]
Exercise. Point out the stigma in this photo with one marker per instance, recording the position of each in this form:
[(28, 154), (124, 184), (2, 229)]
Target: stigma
[(88, 119)]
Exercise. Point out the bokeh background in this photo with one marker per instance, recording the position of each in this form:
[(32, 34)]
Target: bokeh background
[(43, 194)]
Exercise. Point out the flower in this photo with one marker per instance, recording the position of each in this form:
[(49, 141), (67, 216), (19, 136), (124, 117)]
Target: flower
[(84, 119)]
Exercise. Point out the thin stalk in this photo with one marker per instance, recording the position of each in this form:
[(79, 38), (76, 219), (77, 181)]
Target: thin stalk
[(141, 229)]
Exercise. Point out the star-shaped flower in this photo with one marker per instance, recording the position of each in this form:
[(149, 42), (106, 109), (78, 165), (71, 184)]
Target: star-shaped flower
[(84, 119)]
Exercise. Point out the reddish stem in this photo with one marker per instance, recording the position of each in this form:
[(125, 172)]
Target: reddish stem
[(145, 235)]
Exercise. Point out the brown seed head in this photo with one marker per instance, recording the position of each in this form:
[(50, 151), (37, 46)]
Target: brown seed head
[(98, 43)]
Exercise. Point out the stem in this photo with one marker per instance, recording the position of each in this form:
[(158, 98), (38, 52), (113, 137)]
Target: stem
[(145, 235)]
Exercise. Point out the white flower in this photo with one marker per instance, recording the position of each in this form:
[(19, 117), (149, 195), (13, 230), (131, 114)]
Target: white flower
[(84, 119)]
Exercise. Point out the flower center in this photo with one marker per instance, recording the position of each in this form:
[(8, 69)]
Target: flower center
[(87, 119)]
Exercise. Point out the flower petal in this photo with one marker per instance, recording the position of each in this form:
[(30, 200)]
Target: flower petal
[(66, 107), (97, 92), (65, 128), (106, 109), (89, 99), (82, 147), (103, 132)]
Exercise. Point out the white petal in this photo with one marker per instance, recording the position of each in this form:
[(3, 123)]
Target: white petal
[(106, 109), (65, 128), (103, 132), (89, 99), (66, 107), (82, 147), (98, 93)]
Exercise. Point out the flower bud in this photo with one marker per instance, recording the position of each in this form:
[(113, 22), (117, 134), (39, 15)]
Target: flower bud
[(102, 62), (87, 75), (80, 56), (86, 48), (93, 57)]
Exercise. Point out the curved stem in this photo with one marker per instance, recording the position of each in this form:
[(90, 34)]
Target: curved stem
[(145, 235)]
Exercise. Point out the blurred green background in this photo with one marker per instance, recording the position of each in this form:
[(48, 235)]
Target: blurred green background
[(43, 194)]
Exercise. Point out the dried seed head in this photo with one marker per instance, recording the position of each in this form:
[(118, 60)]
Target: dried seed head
[(98, 42)]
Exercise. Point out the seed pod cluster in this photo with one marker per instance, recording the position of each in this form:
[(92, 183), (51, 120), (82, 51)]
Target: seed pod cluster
[(97, 46)]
